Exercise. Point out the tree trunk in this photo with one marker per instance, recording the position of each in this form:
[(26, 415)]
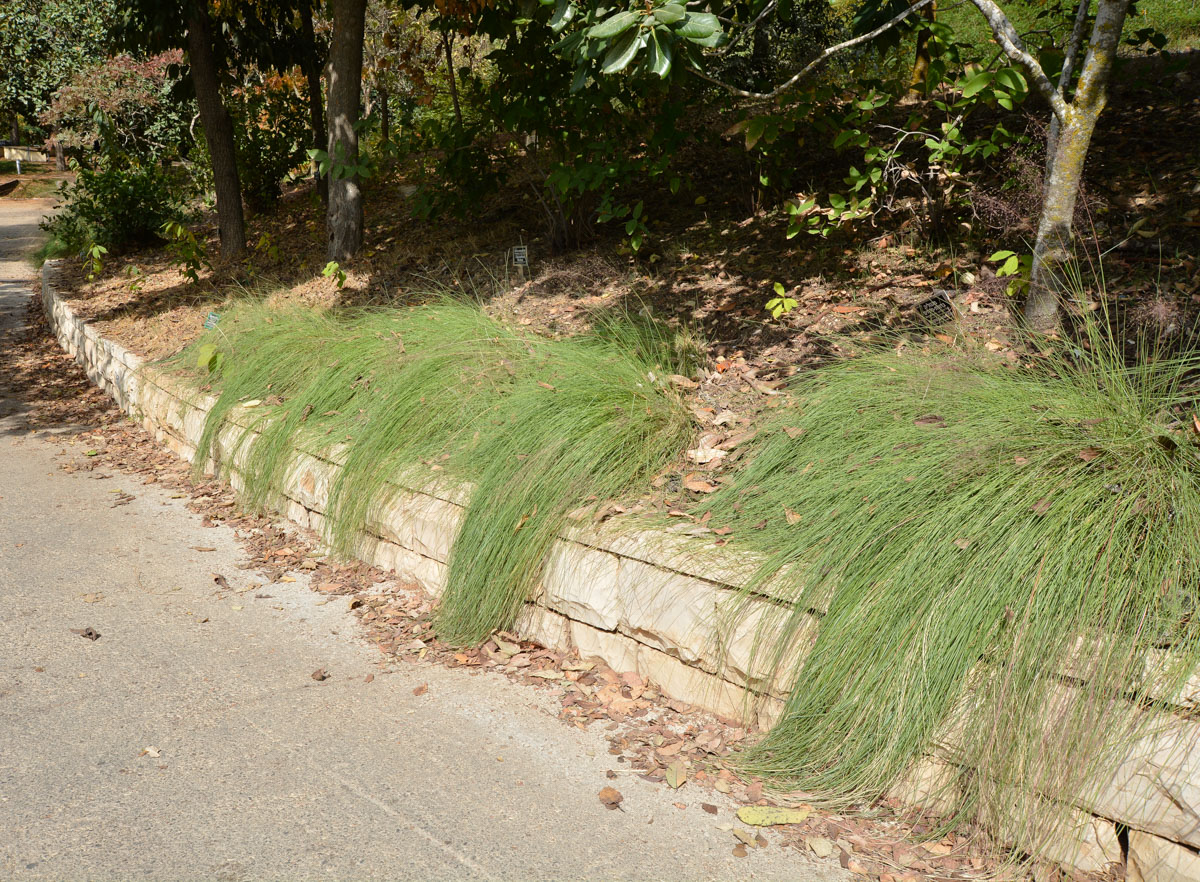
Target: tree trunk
[(345, 217), (922, 60), (218, 132), (60, 156), (385, 117), (448, 46), (16, 129), (1052, 251), (316, 106)]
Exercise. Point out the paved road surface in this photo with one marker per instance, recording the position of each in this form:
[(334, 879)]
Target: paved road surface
[(262, 772)]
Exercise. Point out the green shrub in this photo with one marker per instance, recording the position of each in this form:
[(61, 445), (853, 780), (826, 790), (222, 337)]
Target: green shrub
[(112, 205), (271, 135)]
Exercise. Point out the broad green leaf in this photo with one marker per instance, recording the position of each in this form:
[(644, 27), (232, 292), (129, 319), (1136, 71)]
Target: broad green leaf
[(564, 11), (977, 83), (670, 13), (754, 131), (206, 356), (710, 42), (1010, 78), (698, 26), (658, 58), (614, 26), (623, 51)]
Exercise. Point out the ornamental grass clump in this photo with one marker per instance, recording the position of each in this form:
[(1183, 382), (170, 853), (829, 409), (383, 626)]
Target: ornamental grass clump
[(536, 428), (1004, 566)]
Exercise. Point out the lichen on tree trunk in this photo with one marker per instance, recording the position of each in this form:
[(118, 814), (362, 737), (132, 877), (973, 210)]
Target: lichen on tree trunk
[(1068, 148)]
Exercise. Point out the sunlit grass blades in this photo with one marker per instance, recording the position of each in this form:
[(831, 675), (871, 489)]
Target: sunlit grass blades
[(442, 394), (1004, 566)]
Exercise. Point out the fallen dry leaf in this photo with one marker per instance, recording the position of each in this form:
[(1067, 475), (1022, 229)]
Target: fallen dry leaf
[(676, 774), (709, 807), (611, 798), (744, 835), (696, 485), (422, 689), (739, 850), (319, 675), (769, 815), (89, 632), (820, 846), (704, 454)]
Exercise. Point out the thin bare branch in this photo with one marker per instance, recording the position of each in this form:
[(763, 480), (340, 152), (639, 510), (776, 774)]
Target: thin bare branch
[(820, 58), (1074, 45), (749, 26), (1010, 41)]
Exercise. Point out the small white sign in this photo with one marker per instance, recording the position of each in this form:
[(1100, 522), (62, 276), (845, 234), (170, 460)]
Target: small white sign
[(521, 255)]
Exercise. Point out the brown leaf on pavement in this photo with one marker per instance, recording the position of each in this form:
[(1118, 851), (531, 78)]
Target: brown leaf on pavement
[(611, 798), (319, 675)]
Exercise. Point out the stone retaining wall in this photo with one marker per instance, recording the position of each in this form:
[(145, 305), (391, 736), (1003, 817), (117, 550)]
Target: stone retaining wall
[(641, 602)]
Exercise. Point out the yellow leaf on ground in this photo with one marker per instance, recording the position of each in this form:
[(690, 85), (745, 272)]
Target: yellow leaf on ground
[(769, 815)]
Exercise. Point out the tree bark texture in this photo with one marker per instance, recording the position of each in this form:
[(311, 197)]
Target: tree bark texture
[(448, 46), (385, 117), (922, 60), (316, 104), (344, 223), (1052, 251), (218, 133)]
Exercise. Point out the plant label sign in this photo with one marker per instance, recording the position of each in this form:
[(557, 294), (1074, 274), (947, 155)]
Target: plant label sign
[(520, 255), (212, 321)]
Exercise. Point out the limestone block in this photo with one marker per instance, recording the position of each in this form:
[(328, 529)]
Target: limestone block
[(1157, 788), (430, 574), (190, 422), (297, 513), (1152, 859), (1091, 846), (422, 523), (696, 687), (309, 480), (669, 611), (708, 626), (616, 650), (582, 584), (545, 627), (930, 784)]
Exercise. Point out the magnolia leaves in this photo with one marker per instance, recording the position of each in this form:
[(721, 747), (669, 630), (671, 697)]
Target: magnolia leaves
[(650, 35)]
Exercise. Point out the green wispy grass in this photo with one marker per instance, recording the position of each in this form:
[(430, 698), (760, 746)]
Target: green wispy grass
[(537, 428), (1004, 565)]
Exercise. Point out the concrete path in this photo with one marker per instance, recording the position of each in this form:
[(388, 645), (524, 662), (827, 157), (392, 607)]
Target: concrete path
[(191, 742)]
